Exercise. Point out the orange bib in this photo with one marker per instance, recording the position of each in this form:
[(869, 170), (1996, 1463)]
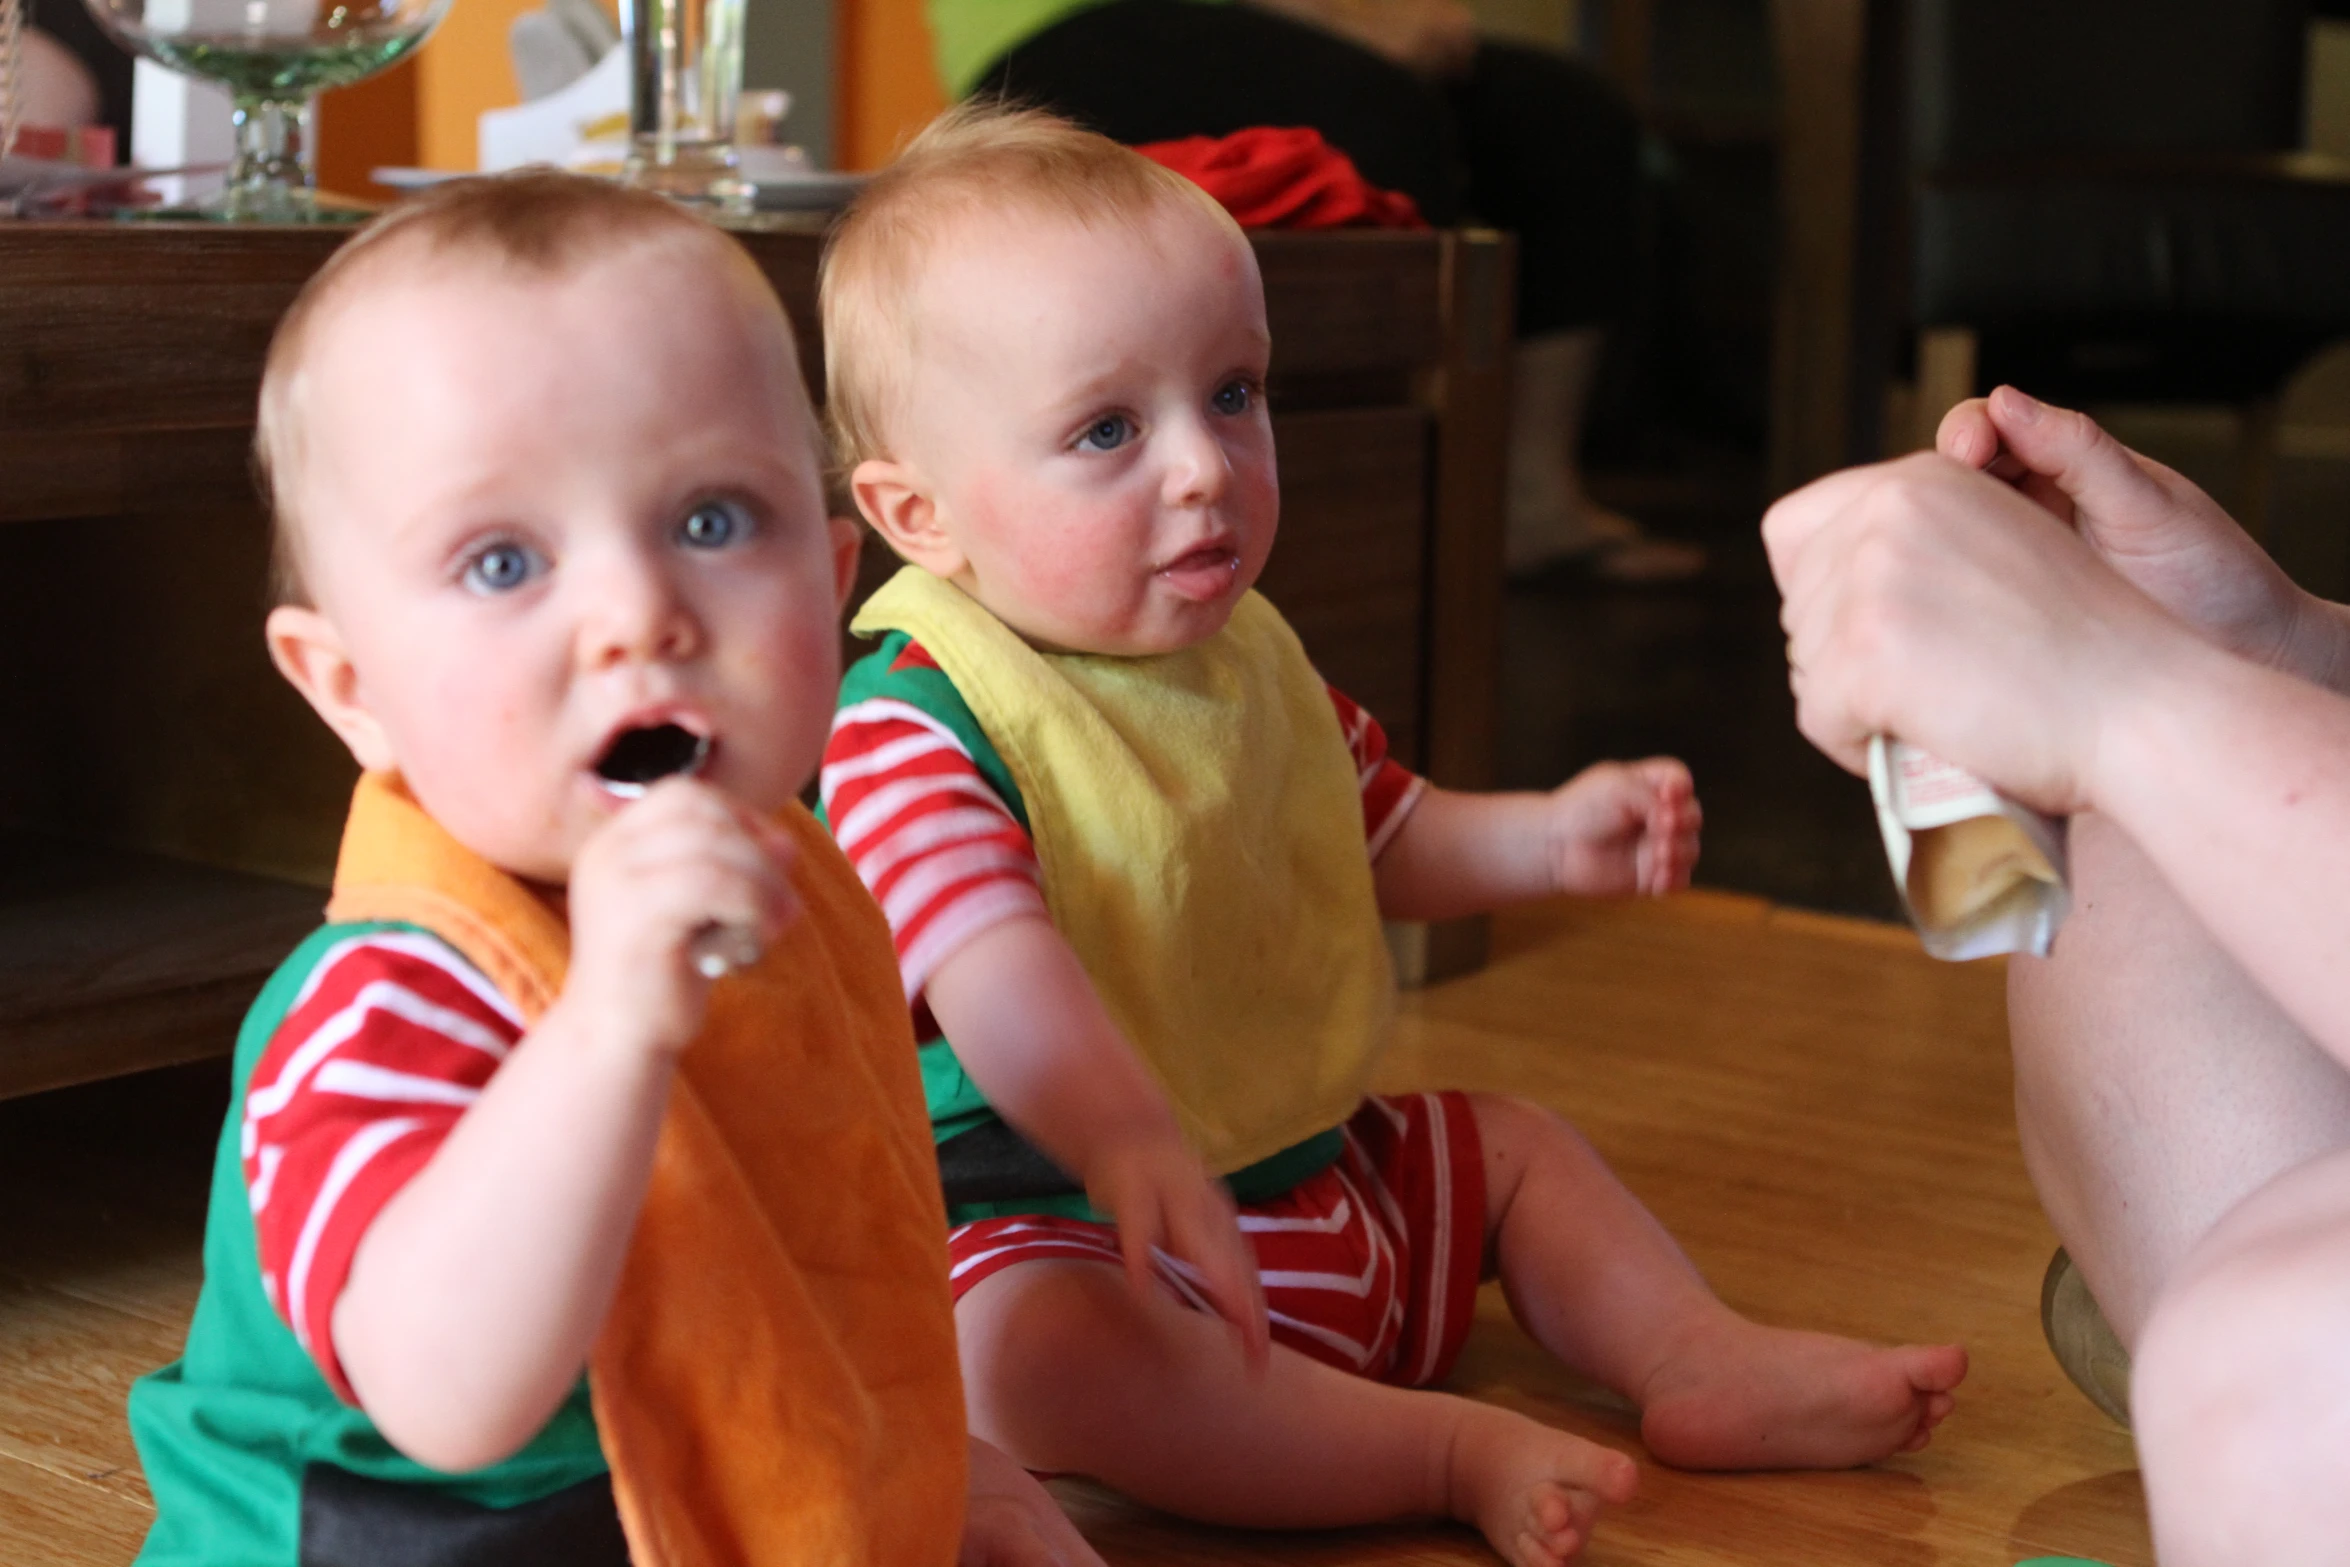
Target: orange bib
[(776, 1383)]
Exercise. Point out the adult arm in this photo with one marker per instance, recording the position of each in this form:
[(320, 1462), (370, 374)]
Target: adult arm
[(2156, 529), (1930, 601)]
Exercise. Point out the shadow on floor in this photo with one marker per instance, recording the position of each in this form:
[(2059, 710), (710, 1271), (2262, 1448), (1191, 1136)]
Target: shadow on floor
[(1592, 671)]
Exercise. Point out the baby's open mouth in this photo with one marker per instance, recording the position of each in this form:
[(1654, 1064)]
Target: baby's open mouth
[(639, 758), (1212, 557), (1205, 574)]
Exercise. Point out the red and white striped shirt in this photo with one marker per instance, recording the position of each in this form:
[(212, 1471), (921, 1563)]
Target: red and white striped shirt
[(389, 1040), (943, 854)]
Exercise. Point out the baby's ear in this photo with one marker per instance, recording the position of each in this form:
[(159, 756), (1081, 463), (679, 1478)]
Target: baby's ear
[(309, 652), (847, 537), (897, 502)]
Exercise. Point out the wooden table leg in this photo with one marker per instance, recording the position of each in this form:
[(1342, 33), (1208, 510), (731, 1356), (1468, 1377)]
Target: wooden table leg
[(1821, 47)]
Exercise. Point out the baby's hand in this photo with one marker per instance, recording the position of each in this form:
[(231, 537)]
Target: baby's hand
[(1012, 1521), (670, 866), (1623, 828), (1164, 1199)]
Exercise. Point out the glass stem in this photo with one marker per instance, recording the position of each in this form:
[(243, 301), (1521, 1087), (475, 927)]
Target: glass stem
[(271, 174)]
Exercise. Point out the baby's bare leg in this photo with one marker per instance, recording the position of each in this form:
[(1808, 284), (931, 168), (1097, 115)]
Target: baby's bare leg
[(1598, 1282), (2241, 1389), (1069, 1369), (2156, 1086)]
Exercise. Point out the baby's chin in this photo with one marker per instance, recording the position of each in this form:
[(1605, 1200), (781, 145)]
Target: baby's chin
[(1155, 628)]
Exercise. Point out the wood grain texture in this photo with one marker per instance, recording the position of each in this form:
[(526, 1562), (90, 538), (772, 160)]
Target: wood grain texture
[(1469, 401), (80, 926), (111, 327), (1820, 46), (1819, 1112), (1348, 569), (144, 711)]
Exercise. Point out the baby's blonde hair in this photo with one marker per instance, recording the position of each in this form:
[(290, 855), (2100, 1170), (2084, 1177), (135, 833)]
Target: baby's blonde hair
[(537, 221), (978, 159)]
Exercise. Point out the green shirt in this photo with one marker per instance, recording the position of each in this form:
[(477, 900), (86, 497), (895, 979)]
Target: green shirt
[(971, 35), (225, 1431)]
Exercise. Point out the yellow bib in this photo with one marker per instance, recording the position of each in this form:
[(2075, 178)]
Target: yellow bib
[(1200, 828), (775, 1385)]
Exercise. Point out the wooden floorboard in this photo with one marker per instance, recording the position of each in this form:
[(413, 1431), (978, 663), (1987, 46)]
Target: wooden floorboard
[(1821, 1114)]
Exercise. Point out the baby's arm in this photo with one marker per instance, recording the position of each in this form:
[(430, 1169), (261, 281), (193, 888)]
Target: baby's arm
[(1613, 830), (478, 1290), (1030, 1029)]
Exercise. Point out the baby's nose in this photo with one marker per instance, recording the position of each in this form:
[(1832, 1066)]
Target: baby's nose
[(641, 616), (1197, 470)]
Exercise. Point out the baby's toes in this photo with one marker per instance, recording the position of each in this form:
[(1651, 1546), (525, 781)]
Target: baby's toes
[(1535, 1550), (1556, 1532)]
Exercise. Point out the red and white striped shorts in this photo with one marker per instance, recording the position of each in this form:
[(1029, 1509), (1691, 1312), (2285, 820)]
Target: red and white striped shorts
[(1371, 1266)]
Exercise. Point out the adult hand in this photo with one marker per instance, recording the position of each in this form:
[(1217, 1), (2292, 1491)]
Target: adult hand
[(1926, 600), (1012, 1521), (2151, 524)]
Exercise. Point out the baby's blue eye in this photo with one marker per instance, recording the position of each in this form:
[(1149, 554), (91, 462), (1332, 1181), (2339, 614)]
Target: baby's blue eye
[(1106, 434), (714, 525), (501, 568), (1235, 397)]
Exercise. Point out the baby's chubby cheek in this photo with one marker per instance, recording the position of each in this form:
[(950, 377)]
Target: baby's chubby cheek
[(802, 677), (1052, 557)]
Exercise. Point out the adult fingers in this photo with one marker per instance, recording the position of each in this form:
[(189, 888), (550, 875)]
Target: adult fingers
[(1967, 435), (2072, 451), (1820, 675), (1816, 534), (1795, 520)]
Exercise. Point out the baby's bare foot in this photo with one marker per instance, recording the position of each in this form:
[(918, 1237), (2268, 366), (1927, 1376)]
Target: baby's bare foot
[(1533, 1490), (1741, 1396)]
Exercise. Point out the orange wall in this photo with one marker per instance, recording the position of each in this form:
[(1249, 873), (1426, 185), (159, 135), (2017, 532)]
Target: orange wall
[(888, 86), (427, 111), (462, 71), (371, 125)]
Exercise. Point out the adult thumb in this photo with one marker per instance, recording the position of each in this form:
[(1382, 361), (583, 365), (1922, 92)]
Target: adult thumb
[(2070, 451)]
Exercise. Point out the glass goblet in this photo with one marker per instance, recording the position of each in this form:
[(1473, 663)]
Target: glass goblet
[(274, 57)]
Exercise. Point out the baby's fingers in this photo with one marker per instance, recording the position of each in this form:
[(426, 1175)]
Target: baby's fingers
[(1667, 781), (1668, 849), (1142, 1230), (1209, 1239)]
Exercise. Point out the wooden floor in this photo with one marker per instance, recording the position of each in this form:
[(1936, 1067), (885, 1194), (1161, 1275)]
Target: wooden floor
[(1819, 1113)]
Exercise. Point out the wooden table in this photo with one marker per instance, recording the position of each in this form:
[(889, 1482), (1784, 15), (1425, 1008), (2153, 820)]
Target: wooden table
[(169, 808)]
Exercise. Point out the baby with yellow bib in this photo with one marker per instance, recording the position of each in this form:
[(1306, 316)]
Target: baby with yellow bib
[(1135, 855)]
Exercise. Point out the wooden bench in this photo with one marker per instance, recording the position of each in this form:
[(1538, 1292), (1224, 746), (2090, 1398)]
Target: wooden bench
[(169, 808)]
